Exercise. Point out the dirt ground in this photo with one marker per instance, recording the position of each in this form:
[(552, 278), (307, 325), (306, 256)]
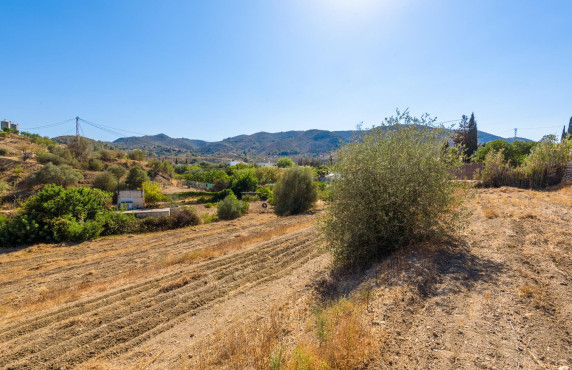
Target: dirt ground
[(496, 296)]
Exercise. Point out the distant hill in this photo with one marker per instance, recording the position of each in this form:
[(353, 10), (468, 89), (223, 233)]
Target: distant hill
[(312, 143), (485, 137)]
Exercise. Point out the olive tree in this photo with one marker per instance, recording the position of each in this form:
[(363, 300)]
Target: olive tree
[(393, 186)]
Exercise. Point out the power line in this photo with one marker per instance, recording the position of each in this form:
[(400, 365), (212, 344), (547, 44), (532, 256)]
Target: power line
[(50, 125), (111, 127)]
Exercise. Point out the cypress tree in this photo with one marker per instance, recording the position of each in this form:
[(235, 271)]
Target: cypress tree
[(466, 135), (472, 137), (563, 133)]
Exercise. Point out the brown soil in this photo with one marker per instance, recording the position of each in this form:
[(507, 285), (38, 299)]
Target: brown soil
[(497, 296)]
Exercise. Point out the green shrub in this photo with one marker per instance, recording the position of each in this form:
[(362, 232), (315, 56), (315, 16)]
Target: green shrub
[(543, 167), (116, 171), (294, 192), (265, 193), (231, 208), (107, 155), (222, 195), (96, 165), (158, 167), (546, 163), (136, 177), (250, 198), (106, 182), (114, 223), (3, 186), (47, 157), (497, 172), (136, 155), (395, 186), (208, 218), (243, 181), (63, 175), (324, 191), (186, 216), (55, 215), (4, 151), (284, 162), (513, 153)]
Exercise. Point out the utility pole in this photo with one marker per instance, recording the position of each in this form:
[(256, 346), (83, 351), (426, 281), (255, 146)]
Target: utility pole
[(77, 128)]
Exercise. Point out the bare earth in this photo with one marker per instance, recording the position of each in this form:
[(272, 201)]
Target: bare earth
[(498, 296)]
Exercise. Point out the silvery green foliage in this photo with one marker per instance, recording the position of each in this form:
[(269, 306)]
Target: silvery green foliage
[(294, 192), (395, 186)]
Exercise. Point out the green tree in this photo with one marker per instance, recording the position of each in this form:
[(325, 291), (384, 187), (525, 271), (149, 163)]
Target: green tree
[(243, 181), (117, 171), (284, 162), (394, 187), (492, 146), (466, 135), (63, 175), (153, 193), (294, 192), (79, 148), (105, 181), (136, 177)]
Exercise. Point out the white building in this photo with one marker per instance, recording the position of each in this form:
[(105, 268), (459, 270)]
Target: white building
[(131, 199)]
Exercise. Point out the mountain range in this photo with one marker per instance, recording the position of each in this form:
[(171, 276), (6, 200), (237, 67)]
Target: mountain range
[(311, 143)]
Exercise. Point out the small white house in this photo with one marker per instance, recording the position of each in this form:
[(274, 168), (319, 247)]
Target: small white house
[(131, 199)]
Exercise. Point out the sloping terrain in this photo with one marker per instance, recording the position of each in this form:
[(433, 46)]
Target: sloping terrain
[(496, 296)]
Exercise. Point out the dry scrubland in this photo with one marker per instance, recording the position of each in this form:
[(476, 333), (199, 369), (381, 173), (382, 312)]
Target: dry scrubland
[(257, 292)]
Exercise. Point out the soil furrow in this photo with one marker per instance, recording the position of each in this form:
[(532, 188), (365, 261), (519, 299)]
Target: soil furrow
[(122, 294), (119, 331), (240, 263)]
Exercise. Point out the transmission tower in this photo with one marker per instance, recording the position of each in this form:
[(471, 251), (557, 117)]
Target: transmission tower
[(77, 128), (515, 130)]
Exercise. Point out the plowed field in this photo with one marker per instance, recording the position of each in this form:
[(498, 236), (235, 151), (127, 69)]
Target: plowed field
[(65, 305)]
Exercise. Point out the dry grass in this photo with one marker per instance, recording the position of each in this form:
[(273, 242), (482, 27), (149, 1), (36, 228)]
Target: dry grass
[(336, 337), (490, 213), (240, 242)]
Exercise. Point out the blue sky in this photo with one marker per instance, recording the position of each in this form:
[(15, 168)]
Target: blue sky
[(214, 69)]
